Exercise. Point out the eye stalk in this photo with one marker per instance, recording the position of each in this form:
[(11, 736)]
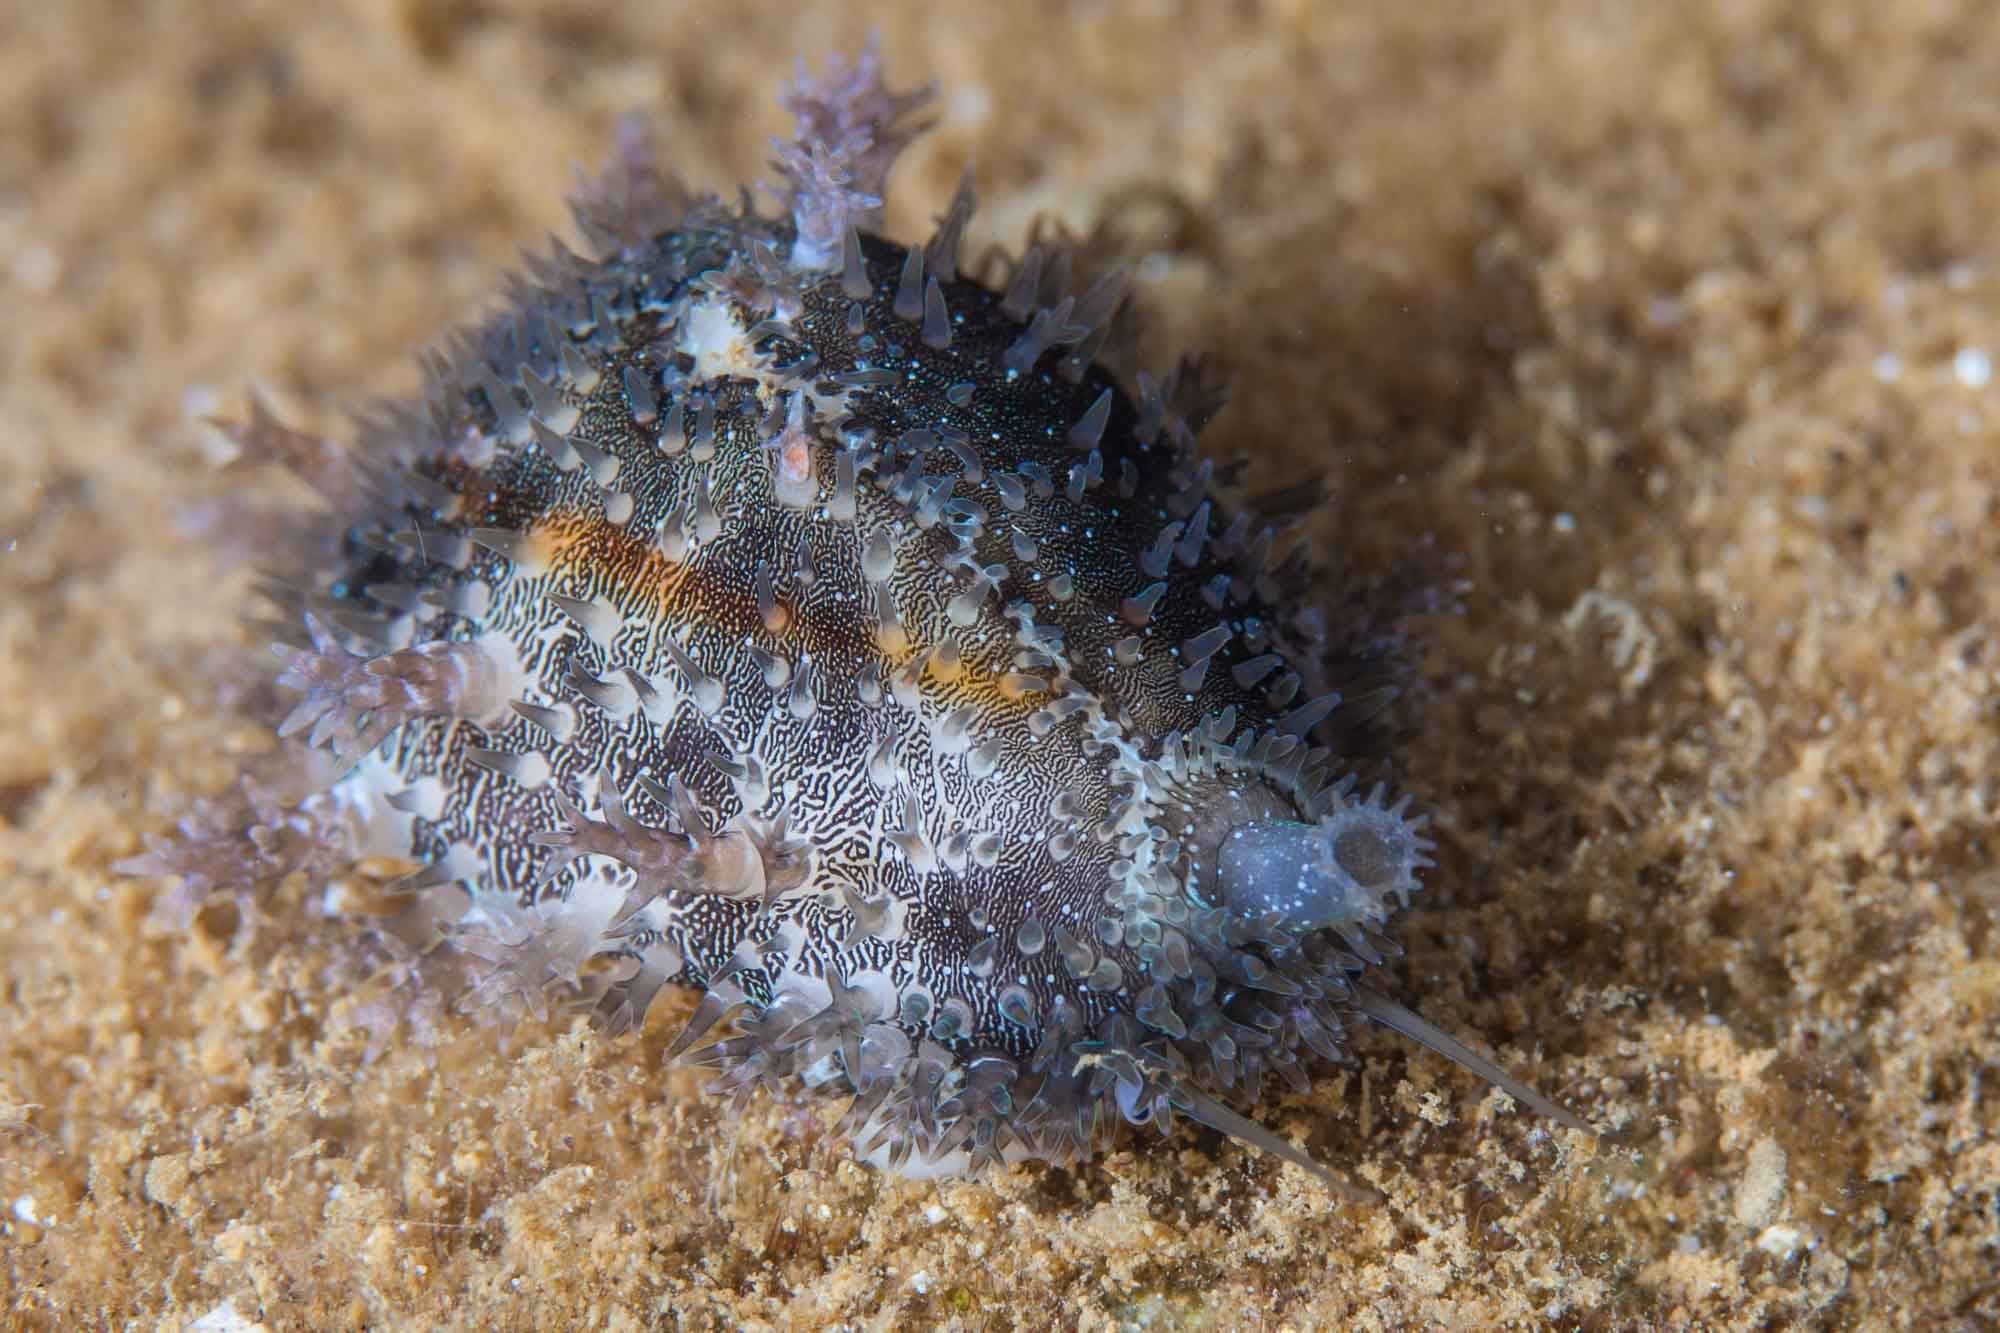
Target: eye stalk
[(1336, 874)]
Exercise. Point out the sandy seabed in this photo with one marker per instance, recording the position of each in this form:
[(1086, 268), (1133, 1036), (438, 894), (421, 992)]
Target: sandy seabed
[(1670, 327)]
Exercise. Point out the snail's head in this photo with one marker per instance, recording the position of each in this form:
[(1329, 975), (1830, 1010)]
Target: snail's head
[(1340, 872)]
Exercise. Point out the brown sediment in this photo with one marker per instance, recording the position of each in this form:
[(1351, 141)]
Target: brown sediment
[(1672, 327)]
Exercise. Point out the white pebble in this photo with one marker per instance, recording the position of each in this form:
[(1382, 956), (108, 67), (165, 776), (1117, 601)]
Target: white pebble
[(1973, 367)]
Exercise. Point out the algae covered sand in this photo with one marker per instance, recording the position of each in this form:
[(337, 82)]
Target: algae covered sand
[(1667, 331)]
